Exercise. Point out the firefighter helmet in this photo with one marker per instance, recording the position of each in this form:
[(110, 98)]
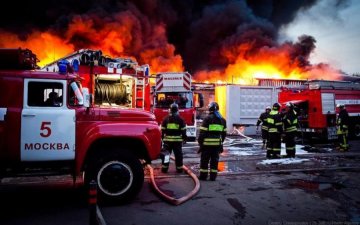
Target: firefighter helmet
[(268, 108), (340, 106), (276, 106), (213, 106), (174, 108), (290, 105)]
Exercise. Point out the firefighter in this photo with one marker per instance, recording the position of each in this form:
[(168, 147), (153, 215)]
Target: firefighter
[(173, 130), (53, 99), (290, 122), (275, 124), (342, 123), (264, 127), (211, 138)]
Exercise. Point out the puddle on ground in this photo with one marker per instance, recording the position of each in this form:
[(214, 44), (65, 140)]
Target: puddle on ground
[(244, 151), (223, 167), (324, 148), (314, 185)]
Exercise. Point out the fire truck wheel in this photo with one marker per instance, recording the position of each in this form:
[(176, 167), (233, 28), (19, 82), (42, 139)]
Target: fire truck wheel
[(119, 177)]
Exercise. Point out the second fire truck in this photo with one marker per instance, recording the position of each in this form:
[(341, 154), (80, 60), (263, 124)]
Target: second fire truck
[(176, 88), (316, 103)]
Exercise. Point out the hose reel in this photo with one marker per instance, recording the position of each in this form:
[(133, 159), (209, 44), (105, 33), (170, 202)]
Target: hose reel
[(112, 93)]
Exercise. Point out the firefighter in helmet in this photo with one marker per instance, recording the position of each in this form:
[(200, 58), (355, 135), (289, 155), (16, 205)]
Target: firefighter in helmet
[(290, 129), (53, 99), (173, 130), (342, 123), (264, 127), (275, 124), (211, 138)]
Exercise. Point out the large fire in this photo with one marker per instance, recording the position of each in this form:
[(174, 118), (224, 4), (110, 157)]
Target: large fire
[(123, 37), (274, 63), (126, 36)]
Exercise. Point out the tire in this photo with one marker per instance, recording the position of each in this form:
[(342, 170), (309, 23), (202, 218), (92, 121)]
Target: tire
[(119, 177)]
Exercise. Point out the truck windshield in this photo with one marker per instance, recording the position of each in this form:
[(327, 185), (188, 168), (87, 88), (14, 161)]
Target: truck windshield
[(165, 99)]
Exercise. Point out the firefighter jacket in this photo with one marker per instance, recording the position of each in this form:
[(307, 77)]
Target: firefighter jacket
[(212, 131), (290, 121), (275, 122), (263, 121), (343, 119), (173, 128)]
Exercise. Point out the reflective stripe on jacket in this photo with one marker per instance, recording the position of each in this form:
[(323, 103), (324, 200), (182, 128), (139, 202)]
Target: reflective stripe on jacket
[(173, 128), (290, 122), (263, 121), (212, 131), (275, 122)]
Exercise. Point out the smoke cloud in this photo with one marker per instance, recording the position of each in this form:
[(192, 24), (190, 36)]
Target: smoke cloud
[(191, 34)]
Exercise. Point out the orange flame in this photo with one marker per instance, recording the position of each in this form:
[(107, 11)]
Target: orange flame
[(274, 63), (46, 46), (122, 37), (125, 35)]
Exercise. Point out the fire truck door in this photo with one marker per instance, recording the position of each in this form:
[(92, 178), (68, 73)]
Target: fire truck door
[(47, 125)]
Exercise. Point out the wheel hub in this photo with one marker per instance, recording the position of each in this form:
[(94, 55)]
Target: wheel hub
[(115, 178)]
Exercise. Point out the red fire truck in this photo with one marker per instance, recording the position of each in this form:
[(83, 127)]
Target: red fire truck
[(176, 88), (49, 126), (316, 104)]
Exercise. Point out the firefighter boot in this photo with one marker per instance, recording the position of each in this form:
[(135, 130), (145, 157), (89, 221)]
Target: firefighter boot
[(203, 175), (179, 169), (213, 176), (264, 145), (268, 154), (165, 167)]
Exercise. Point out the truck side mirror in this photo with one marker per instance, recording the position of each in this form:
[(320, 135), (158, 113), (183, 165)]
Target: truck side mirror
[(87, 97)]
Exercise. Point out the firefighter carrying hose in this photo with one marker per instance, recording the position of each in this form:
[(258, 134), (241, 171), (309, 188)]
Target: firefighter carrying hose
[(275, 129), (211, 138), (264, 126), (173, 130), (290, 128), (342, 123)]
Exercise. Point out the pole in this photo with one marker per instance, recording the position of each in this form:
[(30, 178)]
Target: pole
[(93, 203)]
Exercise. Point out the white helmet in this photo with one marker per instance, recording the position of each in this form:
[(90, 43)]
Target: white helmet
[(290, 105)]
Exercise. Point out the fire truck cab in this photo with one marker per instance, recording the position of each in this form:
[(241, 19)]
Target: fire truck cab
[(49, 125), (176, 88), (316, 106)]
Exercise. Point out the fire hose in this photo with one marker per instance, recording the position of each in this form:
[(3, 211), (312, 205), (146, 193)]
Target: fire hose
[(110, 93), (170, 199)]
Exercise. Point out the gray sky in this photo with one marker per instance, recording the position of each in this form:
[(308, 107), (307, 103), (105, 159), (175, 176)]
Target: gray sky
[(336, 28)]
